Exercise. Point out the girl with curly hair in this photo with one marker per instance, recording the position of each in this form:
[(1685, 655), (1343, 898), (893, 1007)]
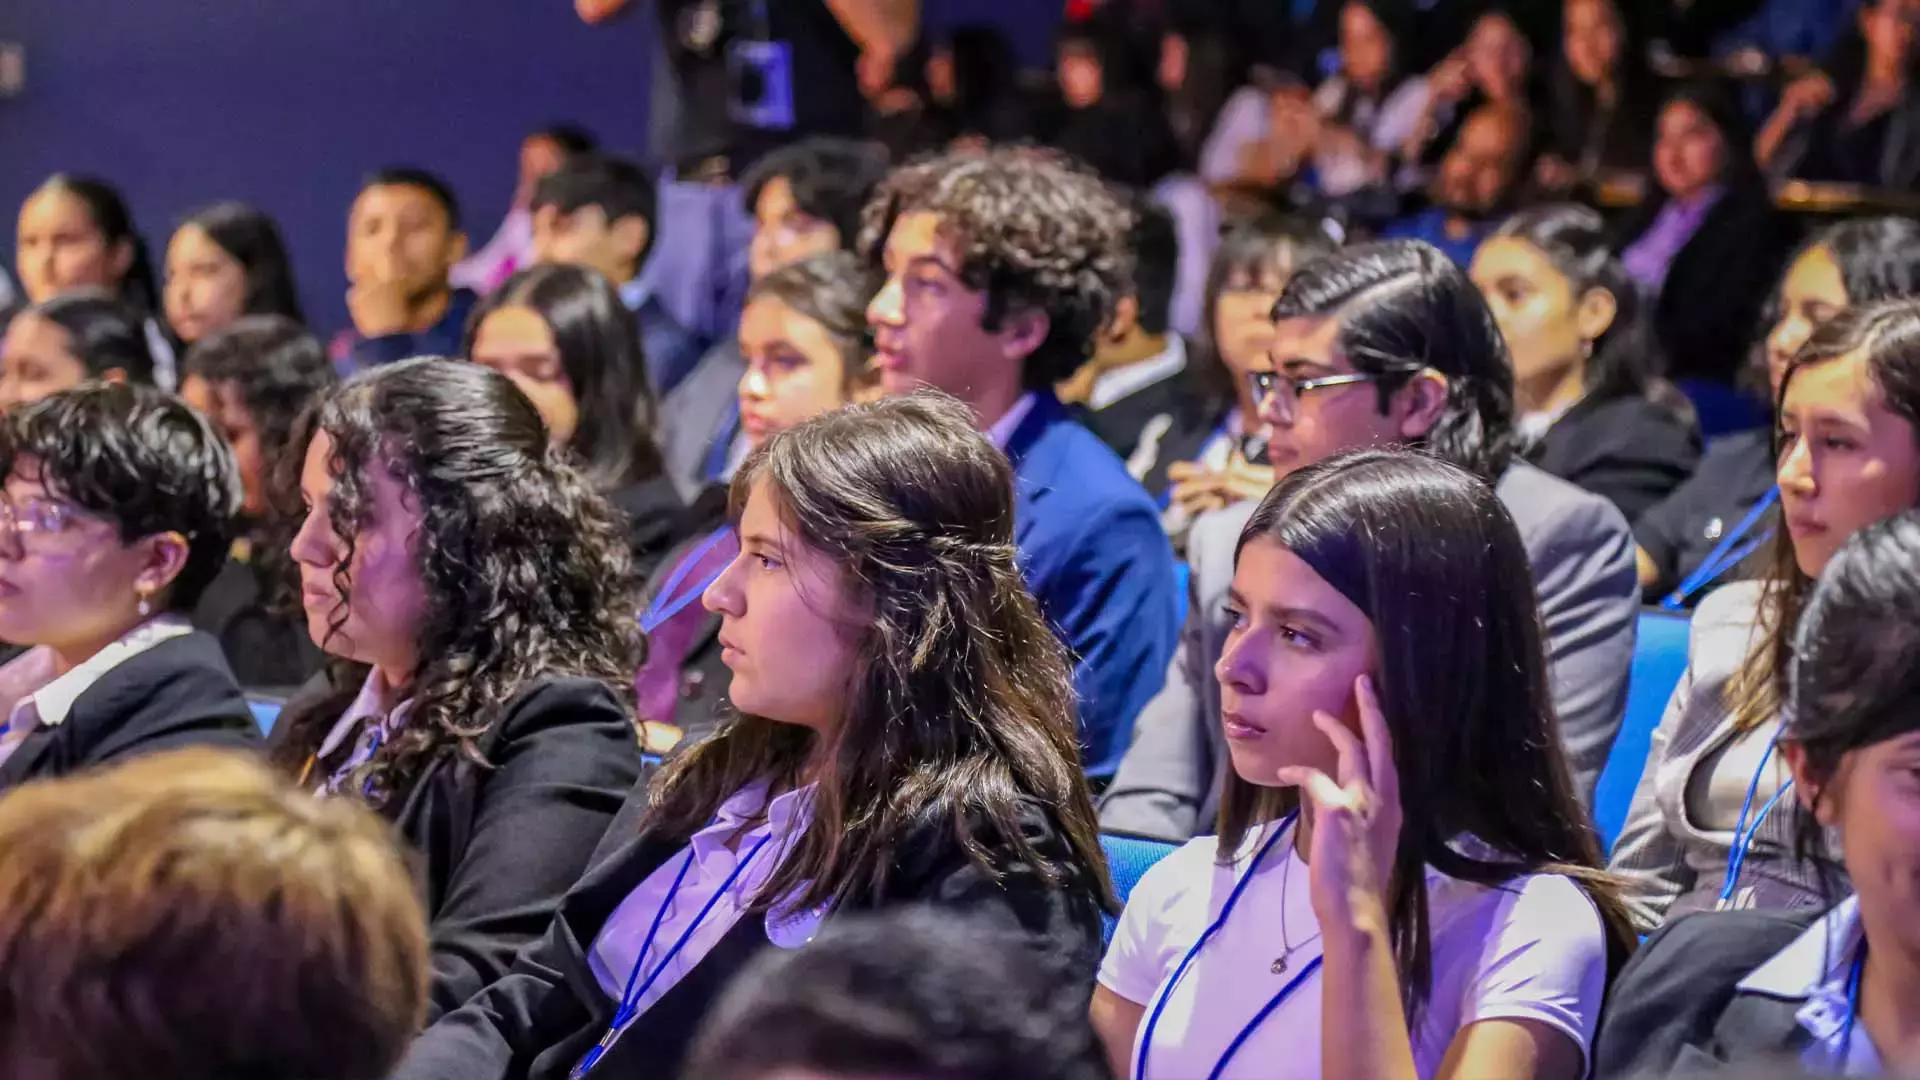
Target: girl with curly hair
[(475, 595), (906, 737)]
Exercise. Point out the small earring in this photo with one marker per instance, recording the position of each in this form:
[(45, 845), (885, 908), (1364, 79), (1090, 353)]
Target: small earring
[(144, 608), (1586, 349)]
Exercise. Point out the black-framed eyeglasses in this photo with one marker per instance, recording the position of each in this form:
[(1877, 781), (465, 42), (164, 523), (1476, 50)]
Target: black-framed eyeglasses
[(1266, 383)]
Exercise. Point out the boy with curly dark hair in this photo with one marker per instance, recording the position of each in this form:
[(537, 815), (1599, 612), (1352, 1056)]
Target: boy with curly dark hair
[(1000, 268)]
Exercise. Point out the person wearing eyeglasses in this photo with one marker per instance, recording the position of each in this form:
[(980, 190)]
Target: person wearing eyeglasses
[(118, 509), (1390, 344)]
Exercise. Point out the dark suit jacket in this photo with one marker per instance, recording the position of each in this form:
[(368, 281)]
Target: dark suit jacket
[(1716, 286), (1627, 449), (1676, 1009), (655, 521), (1096, 559), (178, 693), (496, 848), (269, 652), (1168, 786), (539, 1020)]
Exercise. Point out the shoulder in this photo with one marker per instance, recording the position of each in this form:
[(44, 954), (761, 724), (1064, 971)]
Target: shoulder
[(188, 672), (1170, 885), (1697, 959), (562, 701), (1725, 621), (1548, 510), (1632, 425), (1215, 534)]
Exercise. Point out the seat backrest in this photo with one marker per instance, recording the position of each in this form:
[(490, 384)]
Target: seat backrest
[(265, 713), (1659, 659), (1129, 857)]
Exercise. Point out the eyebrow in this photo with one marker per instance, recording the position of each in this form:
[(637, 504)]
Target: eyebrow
[(934, 261), (1284, 613), (760, 540)]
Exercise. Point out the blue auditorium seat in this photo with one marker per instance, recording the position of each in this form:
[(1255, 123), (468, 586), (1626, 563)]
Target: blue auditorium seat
[(1128, 857), (1659, 659), (265, 712)]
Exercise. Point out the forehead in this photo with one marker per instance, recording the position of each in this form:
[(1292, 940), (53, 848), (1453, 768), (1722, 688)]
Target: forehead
[(1309, 337), (1842, 384), (775, 198), (1685, 118), (1505, 255), (30, 332), (513, 326), (1816, 274), (409, 199), (922, 234), (1268, 574), (56, 208), (1489, 129)]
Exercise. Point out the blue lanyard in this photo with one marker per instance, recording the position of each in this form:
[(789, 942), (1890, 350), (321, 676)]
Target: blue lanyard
[(720, 450), (665, 603), (1724, 556), (1153, 1020), (1853, 1006), (1742, 834), (630, 998)]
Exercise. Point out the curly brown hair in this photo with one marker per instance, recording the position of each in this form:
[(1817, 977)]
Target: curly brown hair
[(524, 566), (1036, 231)]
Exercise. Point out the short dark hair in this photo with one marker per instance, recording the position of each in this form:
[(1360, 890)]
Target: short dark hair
[(833, 290), (1404, 306), (140, 459), (620, 188), (429, 182), (105, 334), (1154, 245), (832, 179), (1036, 231), (571, 138), (906, 994), (254, 241)]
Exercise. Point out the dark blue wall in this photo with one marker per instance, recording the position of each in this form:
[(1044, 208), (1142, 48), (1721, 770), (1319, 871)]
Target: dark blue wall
[(287, 103)]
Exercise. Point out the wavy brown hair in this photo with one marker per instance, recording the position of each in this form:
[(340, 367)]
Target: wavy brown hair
[(962, 702), (524, 566)]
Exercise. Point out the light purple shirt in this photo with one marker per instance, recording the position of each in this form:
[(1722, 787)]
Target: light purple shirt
[(1648, 258)]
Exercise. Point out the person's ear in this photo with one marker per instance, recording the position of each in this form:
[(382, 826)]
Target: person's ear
[(121, 259), (1812, 792), (1023, 332), (162, 557), (1126, 318), (630, 239), (1593, 316), (1418, 406), (456, 247), (114, 375)]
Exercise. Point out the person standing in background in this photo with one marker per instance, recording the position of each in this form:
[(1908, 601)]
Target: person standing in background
[(542, 154), (736, 79)]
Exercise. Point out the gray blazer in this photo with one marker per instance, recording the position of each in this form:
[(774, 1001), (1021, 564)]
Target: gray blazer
[(1168, 785), (1670, 866), (697, 412)]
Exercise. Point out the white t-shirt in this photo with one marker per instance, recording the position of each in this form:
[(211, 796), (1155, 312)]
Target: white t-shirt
[(1532, 950)]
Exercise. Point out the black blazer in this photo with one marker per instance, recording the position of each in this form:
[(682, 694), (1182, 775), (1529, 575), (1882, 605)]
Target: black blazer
[(1627, 449), (269, 652), (539, 1021), (1676, 1010), (177, 693), (1710, 305), (656, 520), (497, 848)]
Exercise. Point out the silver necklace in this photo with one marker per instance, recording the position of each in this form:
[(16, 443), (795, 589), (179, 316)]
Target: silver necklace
[(1287, 949)]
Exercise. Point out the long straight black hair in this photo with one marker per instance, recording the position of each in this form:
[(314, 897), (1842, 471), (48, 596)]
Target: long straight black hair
[(139, 288), (1429, 554), (253, 240)]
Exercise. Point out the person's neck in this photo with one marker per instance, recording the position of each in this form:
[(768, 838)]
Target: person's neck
[(992, 403), (72, 654), (1303, 828), (1136, 348), (1551, 391), (427, 311), (1606, 92), (394, 681), (1890, 1000), (1883, 72)]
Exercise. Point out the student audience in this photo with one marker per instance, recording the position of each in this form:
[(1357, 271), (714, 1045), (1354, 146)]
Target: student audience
[(912, 995), (806, 199), (68, 339), (905, 737), (1858, 122), (599, 212), (804, 334), (75, 232), (1708, 242), (1493, 66), (403, 238), (1693, 540), (224, 262), (513, 245), (1108, 113), (1000, 269), (1384, 344), (1599, 100), (475, 593), (1829, 986), (252, 380), (1434, 920), (1474, 185), (1138, 360), (192, 916), (1594, 409), (119, 504), (1707, 828), (563, 336)]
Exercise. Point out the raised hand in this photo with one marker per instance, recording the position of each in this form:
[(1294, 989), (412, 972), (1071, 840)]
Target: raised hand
[(1356, 818)]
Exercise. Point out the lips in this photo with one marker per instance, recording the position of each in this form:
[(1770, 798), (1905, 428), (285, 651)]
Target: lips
[(1239, 727)]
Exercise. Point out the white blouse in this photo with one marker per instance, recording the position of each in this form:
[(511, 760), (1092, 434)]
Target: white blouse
[(1532, 950)]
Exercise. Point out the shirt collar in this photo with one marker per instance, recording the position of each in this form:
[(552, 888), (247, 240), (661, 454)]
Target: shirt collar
[(1001, 433), (1815, 969), (1113, 385), (365, 705), (636, 293), (53, 701), (788, 812)]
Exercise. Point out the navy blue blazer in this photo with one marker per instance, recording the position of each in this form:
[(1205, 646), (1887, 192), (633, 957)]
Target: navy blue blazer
[(1101, 567)]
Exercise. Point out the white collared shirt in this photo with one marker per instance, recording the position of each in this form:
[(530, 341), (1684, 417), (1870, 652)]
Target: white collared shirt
[(1001, 433), (1123, 382), (1533, 949), (1816, 969), (40, 699), (617, 948), (367, 706)]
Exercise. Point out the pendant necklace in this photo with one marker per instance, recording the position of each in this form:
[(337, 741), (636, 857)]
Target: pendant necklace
[(1287, 949)]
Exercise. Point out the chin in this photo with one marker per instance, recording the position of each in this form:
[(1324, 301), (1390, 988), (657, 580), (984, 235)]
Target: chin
[(1257, 766)]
